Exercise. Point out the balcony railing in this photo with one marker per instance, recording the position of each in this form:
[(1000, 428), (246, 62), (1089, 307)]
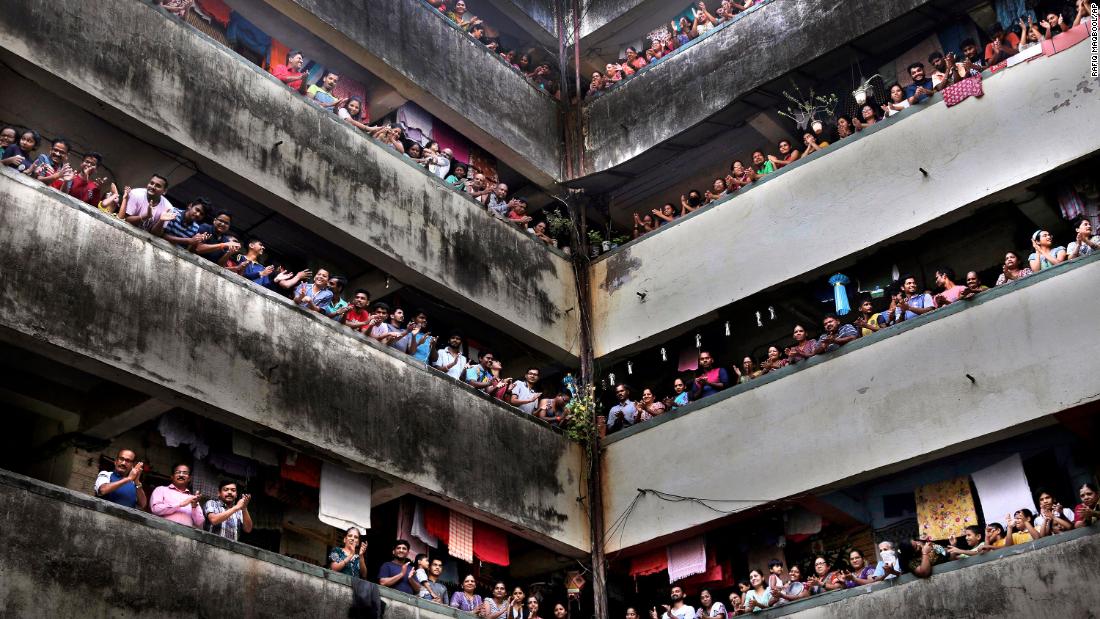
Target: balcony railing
[(968, 373)]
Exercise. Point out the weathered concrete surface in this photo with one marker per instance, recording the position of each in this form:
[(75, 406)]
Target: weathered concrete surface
[(246, 129), (729, 64), (1053, 576), (909, 381), (846, 188), (598, 17), (181, 329), (427, 59), (84, 557), (536, 17)]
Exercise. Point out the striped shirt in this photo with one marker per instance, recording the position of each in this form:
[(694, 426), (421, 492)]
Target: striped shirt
[(180, 228)]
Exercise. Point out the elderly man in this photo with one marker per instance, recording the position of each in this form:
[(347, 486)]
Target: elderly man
[(836, 335), (498, 201), (228, 515), (122, 486)]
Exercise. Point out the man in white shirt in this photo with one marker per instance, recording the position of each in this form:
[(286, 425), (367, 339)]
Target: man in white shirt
[(523, 395), (450, 360), (678, 609)]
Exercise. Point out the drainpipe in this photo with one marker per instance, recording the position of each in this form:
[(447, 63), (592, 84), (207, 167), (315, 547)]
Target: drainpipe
[(577, 204)]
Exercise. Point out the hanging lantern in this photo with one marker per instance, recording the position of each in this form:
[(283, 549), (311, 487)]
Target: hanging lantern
[(698, 340), (611, 379), (759, 322), (387, 282), (664, 355), (771, 312), (840, 294), (727, 328), (817, 126), (629, 368)]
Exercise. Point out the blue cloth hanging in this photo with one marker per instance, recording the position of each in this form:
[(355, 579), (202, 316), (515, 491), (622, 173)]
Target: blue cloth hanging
[(840, 294), (243, 32)]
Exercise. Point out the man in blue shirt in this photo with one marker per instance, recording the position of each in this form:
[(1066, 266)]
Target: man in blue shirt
[(921, 88), (480, 376), (623, 414), (836, 335), (122, 485), (395, 573), (184, 229), (914, 304)]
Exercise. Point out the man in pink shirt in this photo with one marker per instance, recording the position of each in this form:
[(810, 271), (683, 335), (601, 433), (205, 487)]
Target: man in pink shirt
[(945, 278), (176, 503)]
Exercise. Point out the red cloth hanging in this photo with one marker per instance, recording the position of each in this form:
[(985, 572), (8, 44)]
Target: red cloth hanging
[(217, 10), (649, 563), (957, 93), (302, 469), (490, 544), (437, 520)]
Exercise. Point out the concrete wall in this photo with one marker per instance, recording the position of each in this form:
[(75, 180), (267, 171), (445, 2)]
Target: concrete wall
[(84, 557), (536, 17), (429, 60), (1043, 578), (885, 402), (1028, 123), (631, 120), (246, 129), (131, 309), (597, 15)]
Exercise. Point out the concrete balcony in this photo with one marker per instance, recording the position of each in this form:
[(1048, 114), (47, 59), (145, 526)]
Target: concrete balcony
[(1028, 123), (244, 128), (965, 375), (726, 66), (179, 328), (109, 561), (1029, 580), (429, 60)]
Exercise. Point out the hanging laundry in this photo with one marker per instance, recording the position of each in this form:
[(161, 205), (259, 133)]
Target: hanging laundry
[(957, 93), (1003, 489), (406, 509), (460, 542), (945, 508), (301, 468), (419, 529), (437, 521), (687, 558), (216, 10), (344, 498), (176, 428), (244, 33), (649, 563), (490, 544)]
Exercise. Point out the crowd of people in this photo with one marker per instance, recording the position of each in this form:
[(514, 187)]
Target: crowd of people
[(539, 73), (907, 301), (943, 70), (227, 515), (201, 229), (665, 40), (780, 585), (426, 153)]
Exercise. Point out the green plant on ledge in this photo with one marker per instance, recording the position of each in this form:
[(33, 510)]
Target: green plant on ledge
[(595, 238), (622, 239), (557, 224), (582, 411)]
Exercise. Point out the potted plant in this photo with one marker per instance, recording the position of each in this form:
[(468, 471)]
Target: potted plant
[(557, 224), (595, 241), (804, 110), (621, 239)]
